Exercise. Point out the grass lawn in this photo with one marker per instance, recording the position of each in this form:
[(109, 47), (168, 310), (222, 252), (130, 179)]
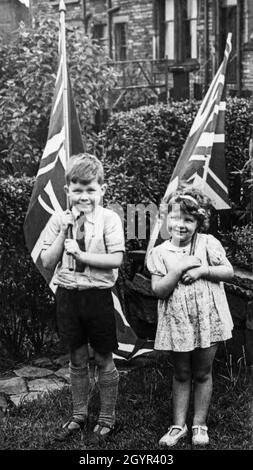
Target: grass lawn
[(144, 412)]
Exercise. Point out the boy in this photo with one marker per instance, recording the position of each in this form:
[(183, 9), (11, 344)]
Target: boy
[(85, 311)]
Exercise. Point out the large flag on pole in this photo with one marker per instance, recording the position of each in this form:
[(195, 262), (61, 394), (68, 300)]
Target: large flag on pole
[(64, 139), (201, 162)]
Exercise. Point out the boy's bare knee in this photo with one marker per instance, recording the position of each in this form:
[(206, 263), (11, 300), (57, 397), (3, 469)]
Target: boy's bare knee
[(104, 361), (79, 357)]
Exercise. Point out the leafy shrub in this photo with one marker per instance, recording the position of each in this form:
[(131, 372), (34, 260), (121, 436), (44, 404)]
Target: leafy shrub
[(140, 151), (26, 302), (141, 148), (27, 80), (239, 243), (238, 130)]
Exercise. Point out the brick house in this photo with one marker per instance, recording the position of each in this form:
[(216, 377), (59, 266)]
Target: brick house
[(11, 13), (189, 34)]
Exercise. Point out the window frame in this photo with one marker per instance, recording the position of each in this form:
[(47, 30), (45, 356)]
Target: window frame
[(122, 45), (181, 30), (169, 27), (102, 40)]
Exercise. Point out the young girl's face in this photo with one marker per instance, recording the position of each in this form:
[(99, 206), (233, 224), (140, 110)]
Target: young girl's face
[(181, 225)]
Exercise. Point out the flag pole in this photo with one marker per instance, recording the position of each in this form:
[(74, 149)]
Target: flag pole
[(62, 10), (208, 157)]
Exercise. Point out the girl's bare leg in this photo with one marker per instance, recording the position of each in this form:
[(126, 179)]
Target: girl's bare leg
[(202, 362), (181, 387)]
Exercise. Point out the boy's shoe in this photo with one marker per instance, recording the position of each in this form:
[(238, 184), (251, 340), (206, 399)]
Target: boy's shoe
[(72, 426), (200, 436), (101, 432), (169, 440)]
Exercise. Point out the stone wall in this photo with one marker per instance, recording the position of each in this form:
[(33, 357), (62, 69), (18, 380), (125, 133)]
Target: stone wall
[(139, 18), (11, 13)]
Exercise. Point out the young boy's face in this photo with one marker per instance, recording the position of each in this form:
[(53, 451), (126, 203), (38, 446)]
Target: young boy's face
[(85, 197)]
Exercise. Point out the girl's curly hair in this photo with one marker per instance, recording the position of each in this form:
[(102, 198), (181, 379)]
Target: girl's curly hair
[(198, 205)]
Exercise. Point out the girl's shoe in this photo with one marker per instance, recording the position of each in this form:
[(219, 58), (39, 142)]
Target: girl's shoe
[(200, 436), (169, 440)]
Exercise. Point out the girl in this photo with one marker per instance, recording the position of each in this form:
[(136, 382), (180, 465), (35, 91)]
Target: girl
[(193, 314)]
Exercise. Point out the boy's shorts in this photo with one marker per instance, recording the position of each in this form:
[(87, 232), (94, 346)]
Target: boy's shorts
[(86, 316)]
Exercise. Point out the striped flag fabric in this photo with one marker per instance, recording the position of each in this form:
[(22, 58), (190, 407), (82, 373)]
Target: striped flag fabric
[(48, 193), (201, 162)]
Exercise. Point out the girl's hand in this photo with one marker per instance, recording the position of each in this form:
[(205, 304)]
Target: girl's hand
[(193, 275), (72, 248), (66, 220), (189, 262)]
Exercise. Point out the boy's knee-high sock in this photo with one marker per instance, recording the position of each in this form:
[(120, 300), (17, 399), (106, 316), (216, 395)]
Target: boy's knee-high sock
[(80, 387), (108, 386)]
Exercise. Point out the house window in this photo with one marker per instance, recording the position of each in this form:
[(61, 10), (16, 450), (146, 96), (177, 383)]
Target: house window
[(228, 3), (54, 2), (120, 45), (248, 21), (228, 23), (159, 29), (170, 29), (188, 30), (99, 32), (175, 29)]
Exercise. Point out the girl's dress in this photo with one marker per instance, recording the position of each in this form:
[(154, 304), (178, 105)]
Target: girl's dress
[(194, 315)]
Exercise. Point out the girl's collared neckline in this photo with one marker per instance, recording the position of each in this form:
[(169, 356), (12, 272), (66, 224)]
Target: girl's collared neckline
[(179, 249)]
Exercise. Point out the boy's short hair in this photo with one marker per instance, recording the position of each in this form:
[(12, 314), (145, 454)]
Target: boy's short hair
[(83, 168)]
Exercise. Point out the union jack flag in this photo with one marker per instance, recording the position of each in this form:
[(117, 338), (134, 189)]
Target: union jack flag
[(201, 162), (48, 193)]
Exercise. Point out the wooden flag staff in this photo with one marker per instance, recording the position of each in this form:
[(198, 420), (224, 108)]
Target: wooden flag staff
[(62, 10)]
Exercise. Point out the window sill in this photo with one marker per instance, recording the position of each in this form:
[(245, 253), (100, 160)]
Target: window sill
[(187, 66)]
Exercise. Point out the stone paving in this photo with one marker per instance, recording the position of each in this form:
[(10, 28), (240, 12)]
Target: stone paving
[(30, 382)]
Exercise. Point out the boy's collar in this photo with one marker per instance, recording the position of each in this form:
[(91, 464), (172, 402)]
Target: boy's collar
[(90, 217)]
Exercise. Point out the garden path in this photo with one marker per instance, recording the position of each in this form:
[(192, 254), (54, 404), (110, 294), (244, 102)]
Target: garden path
[(44, 375)]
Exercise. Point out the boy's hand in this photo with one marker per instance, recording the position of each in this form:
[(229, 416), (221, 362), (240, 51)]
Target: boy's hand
[(66, 220), (72, 248), (193, 275)]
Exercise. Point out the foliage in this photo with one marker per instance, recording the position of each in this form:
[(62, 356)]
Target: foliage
[(140, 151), (129, 73), (26, 303), (239, 243), (141, 148), (238, 119), (28, 68)]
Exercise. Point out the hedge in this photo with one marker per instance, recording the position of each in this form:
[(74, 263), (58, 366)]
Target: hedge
[(26, 302), (28, 68), (141, 148)]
